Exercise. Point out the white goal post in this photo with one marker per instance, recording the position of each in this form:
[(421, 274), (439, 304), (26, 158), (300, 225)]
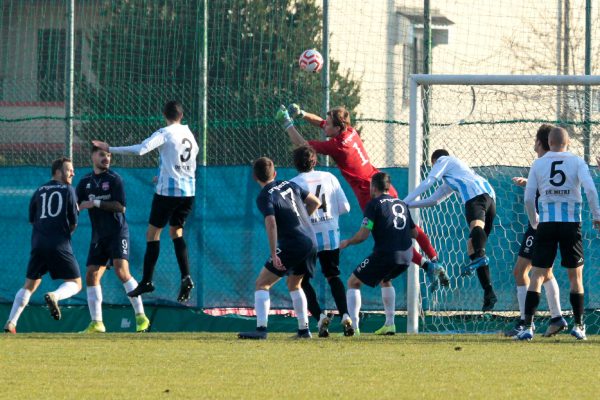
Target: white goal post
[(416, 143)]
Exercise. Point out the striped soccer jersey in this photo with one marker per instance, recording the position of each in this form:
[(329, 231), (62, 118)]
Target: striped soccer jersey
[(177, 149), (334, 203), (558, 176)]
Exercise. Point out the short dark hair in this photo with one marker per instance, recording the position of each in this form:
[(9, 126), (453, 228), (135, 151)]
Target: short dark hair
[(340, 117), (95, 149), (173, 110), (305, 158), (542, 135), (439, 153), (263, 169), (58, 164), (381, 181)]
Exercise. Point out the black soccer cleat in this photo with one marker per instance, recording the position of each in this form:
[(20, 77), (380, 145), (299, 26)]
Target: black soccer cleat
[(259, 334), (142, 287), (184, 290), (489, 300), (53, 305), (302, 334)]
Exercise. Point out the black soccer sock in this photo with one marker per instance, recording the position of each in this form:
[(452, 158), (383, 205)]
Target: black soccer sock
[(181, 253), (150, 258), (532, 301), (483, 273), (311, 298), (577, 304), (339, 294), (478, 241)]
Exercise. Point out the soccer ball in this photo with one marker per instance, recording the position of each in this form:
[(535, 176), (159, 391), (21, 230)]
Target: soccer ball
[(311, 61)]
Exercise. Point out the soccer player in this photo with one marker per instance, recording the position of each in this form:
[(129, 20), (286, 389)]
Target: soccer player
[(174, 195), (523, 264), (347, 150), (101, 192), (291, 245), (393, 229), (558, 176), (480, 210), (53, 214), (325, 226)]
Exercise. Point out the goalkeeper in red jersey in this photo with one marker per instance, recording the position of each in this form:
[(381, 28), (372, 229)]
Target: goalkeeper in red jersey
[(346, 148)]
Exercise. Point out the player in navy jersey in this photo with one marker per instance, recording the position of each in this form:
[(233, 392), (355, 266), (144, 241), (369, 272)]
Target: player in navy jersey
[(102, 193), (53, 214), (558, 177), (523, 264), (286, 208), (325, 226), (479, 200), (393, 229), (174, 196)]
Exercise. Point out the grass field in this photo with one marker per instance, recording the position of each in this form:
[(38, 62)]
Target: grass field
[(218, 366)]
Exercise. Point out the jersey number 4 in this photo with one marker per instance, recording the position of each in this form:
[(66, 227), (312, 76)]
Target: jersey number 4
[(323, 200)]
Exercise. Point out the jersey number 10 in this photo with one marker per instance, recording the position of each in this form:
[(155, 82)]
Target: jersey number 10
[(47, 207)]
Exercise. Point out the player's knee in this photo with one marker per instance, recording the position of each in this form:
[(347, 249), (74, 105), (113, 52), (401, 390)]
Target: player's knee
[(353, 282), (175, 232), (385, 284), (477, 223), (153, 233)]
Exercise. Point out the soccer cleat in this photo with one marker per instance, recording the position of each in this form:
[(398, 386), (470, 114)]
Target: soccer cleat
[(259, 334), (184, 290), (556, 326), (514, 331), (525, 334), (468, 270), (142, 287), (578, 332), (302, 334), (52, 303), (347, 324), (95, 327), (436, 274), (142, 323), (386, 330), (9, 327), (323, 326), (489, 301)]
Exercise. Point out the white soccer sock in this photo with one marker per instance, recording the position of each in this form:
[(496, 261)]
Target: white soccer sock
[(354, 302), (136, 302), (388, 295), (521, 295), (94, 299), (19, 304), (553, 297), (300, 307), (66, 290), (262, 303)]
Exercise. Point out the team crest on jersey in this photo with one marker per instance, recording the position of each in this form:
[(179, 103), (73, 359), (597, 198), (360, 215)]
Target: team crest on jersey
[(88, 186), (105, 185)]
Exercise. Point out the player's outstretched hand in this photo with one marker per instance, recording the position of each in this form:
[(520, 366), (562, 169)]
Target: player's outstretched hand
[(283, 117), (100, 144), (519, 181), (295, 111)]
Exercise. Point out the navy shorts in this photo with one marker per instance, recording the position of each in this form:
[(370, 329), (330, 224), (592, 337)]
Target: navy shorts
[(61, 264), (105, 250), (330, 262), (173, 210), (295, 262), (383, 267), (550, 237), (482, 208), (526, 250)]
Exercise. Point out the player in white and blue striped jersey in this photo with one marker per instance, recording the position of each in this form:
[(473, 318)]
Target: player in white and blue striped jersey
[(325, 225), (479, 199), (558, 177), (174, 195)]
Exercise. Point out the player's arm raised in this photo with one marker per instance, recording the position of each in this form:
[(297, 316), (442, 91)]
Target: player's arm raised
[(296, 112), (519, 181), (441, 194), (151, 143), (271, 228), (287, 123)]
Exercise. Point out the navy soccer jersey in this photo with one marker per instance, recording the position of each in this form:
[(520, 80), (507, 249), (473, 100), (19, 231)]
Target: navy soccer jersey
[(52, 212), (390, 223), (107, 186), (285, 200)]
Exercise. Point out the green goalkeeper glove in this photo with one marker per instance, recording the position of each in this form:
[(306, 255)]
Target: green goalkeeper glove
[(283, 117), (295, 111)]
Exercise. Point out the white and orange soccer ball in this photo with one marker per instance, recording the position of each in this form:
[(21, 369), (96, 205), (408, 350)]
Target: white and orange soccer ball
[(311, 61)]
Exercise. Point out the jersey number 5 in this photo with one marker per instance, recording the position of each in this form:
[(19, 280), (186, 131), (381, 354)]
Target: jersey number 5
[(554, 172)]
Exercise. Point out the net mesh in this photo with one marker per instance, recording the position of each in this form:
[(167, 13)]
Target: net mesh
[(495, 135)]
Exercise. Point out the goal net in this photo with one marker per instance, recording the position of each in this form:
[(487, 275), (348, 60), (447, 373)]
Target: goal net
[(490, 122)]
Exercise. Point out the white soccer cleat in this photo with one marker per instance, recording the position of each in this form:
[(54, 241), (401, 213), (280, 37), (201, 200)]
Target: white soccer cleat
[(525, 334), (578, 332), (323, 325)]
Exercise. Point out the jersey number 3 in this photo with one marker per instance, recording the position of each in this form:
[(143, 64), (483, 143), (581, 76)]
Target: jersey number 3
[(187, 152)]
